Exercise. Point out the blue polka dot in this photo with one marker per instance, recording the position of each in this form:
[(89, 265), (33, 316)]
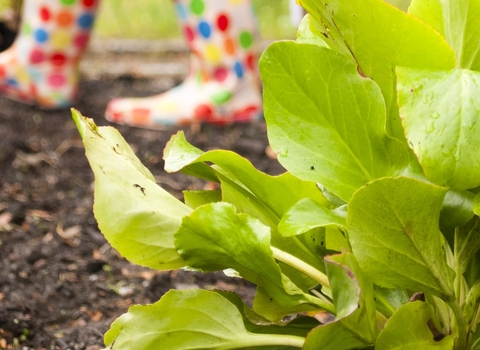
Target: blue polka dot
[(12, 82), (85, 21), (35, 75), (182, 13), (205, 30), (238, 69), (41, 35)]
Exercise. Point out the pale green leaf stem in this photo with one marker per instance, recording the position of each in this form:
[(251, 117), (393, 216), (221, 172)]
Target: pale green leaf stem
[(461, 327), (301, 266)]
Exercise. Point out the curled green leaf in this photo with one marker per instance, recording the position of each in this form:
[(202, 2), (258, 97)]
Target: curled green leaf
[(136, 216)]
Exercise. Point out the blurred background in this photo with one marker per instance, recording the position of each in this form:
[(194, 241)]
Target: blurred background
[(156, 19)]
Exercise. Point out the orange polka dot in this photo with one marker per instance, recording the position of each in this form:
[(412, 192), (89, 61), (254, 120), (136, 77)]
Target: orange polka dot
[(230, 46), (64, 19)]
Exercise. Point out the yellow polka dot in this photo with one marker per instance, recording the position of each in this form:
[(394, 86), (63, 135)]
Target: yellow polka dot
[(22, 76), (212, 53), (167, 107), (61, 40)]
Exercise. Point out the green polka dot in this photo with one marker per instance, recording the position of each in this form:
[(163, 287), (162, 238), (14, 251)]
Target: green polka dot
[(246, 39), (197, 7), (68, 2), (27, 28), (198, 78), (221, 97)]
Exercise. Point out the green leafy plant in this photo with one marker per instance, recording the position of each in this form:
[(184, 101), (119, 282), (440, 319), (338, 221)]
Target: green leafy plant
[(374, 112)]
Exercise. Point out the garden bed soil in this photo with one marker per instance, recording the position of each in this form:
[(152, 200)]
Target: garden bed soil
[(61, 285)]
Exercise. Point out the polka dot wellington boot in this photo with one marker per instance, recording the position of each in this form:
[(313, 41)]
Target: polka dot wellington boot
[(223, 85), (41, 67)]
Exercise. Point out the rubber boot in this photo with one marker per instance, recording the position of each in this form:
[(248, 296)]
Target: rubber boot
[(41, 67), (223, 85)]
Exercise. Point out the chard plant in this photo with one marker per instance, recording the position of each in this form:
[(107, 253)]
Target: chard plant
[(374, 112)]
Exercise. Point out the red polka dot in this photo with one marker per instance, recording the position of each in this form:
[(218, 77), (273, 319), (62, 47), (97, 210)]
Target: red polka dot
[(189, 33), (250, 62), (3, 72), (222, 22), (45, 14), (246, 114), (56, 80), (220, 74), (88, 3), (203, 112), (58, 59), (81, 40), (36, 56)]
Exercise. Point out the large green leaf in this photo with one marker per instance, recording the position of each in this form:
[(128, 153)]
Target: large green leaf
[(245, 202), (355, 325), (308, 214), (137, 217), (459, 22), (440, 116), (188, 320), (324, 120), (277, 193), (214, 237), (252, 192), (380, 37), (408, 329), (393, 230)]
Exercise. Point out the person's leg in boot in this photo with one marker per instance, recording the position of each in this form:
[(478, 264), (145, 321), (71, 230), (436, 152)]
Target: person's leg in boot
[(223, 85), (41, 67)]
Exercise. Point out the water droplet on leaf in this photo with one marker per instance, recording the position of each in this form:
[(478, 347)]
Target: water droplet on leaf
[(283, 152), (429, 127)]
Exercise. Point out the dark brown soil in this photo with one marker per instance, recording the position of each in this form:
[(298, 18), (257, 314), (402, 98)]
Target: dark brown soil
[(61, 285)]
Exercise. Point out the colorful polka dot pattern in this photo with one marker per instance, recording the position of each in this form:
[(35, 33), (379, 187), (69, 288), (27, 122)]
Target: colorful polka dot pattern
[(42, 65), (223, 85), (211, 33)]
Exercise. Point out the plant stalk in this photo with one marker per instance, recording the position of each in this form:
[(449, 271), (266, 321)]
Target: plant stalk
[(301, 266), (461, 326), (272, 340)]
